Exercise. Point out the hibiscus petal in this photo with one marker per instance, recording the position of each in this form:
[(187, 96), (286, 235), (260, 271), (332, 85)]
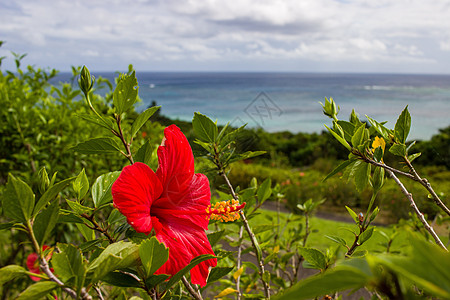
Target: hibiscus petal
[(190, 205), (133, 193), (186, 242), (176, 163)]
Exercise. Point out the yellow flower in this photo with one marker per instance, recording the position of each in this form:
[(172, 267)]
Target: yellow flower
[(378, 142)]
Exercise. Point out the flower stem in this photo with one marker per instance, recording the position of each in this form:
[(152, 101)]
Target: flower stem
[(238, 264), (191, 290), (124, 142)]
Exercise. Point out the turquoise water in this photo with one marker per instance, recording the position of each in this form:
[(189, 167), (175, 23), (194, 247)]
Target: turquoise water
[(290, 101)]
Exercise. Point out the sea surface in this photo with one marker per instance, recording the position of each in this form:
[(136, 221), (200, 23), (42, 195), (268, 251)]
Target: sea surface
[(290, 101)]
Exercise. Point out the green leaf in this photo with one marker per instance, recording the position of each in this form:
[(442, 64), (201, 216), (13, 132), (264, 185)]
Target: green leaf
[(337, 239), (121, 279), (10, 272), (79, 208), (6, 226), (358, 136), (383, 131), (365, 235), (153, 255), (101, 189), (378, 179), (69, 263), (339, 138), (199, 259), (398, 149), (348, 128), (205, 129), (337, 279), (51, 194), (339, 168), (37, 290), (115, 256), (81, 185), (361, 175), (45, 222), (18, 200), (106, 123), (413, 156), (145, 153), (352, 214), (374, 214), (142, 118), (218, 272), (154, 280), (97, 146), (402, 126), (313, 256), (378, 154), (264, 190), (87, 233), (125, 93), (214, 237)]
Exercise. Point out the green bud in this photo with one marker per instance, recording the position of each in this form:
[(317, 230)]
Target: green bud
[(44, 181), (330, 108), (378, 179), (86, 80)]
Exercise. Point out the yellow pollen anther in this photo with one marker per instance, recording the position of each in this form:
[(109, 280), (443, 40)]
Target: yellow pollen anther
[(225, 211)]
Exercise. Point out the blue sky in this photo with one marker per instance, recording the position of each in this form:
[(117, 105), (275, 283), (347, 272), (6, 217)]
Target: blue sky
[(401, 36)]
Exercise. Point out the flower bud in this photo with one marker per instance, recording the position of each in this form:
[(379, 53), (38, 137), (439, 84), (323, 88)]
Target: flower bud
[(330, 108), (86, 81)]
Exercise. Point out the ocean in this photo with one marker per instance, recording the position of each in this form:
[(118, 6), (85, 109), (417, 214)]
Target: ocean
[(290, 101)]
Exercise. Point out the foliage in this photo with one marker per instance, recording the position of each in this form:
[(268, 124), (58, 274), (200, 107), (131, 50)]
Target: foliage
[(83, 247)]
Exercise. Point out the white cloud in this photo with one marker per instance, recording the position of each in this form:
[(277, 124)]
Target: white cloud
[(196, 34)]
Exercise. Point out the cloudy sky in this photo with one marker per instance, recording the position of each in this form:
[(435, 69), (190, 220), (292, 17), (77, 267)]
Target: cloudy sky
[(400, 36)]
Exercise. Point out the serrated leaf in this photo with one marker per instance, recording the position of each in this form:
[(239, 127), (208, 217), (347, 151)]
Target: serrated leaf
[(101, 189), (81, 185), (37, 290), (398, 149), (79, 208), (69, 264), (45, 222), (115, 256), (10, 272), (142, 118), (125, 93), (154, 280), (348, 128), (313, 256), (105, 123), (402, 126), (97, 146), (51, 194), (153, 255), (195, 261), (205, 129), (18, 200), (87, 233)]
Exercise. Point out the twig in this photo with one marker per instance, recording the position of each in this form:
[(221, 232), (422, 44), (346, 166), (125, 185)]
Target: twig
[(124, 142), (97, 227), (238, 264), (191, 290), (99, 292), (417, 211), (427, 185), (251, 235)]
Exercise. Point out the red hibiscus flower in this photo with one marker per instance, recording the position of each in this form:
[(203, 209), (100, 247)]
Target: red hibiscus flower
[(33, 263), (174, 202)]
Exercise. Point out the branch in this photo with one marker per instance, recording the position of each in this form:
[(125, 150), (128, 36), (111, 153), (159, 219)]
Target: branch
[(124, 142), (238, 263), (417, 211), (191, 290), (427, 185), (97, 227), (251, 235)]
